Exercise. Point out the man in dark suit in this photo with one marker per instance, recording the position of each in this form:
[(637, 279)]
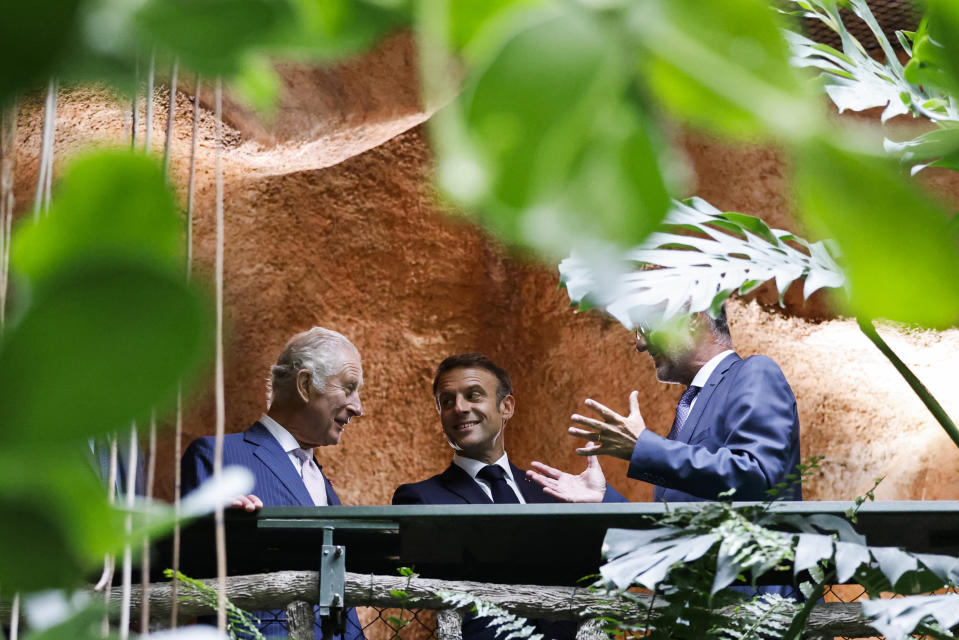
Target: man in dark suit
[(314, 390), (736, 425), (475, 400)]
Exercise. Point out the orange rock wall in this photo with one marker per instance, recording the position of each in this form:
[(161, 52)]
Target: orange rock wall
[(336, 226)]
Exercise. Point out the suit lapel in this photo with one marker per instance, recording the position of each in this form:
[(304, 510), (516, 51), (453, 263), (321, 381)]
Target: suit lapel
[(276, 460), (532, 492), (332, 499), (692, 422), (457, 481)]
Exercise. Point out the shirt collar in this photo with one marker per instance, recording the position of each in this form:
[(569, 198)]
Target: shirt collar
[(472, 467), (284, 437), (707, 369)]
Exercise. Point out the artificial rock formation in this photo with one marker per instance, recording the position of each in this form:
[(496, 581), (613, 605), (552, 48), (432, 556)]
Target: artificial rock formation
[(330, 220)]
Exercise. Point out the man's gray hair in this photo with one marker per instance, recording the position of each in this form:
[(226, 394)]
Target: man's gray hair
[(320, 351)]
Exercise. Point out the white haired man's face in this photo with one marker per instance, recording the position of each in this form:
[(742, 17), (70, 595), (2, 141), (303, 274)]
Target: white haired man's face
[(329, 411)]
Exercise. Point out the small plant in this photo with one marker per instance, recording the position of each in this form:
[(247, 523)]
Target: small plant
[(240, 623), (403, 596), (501, 620)]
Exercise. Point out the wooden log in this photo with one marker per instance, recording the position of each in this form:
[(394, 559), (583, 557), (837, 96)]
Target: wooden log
[(449, 625), (300, 620), (279, 589)]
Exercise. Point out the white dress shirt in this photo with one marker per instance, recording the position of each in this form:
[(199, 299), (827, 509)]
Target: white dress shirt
[(473, 467), (287, 442), (702, 376)]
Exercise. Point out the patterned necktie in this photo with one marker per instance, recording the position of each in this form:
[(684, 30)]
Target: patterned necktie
[(496, 478), (312, 477), (682, 411)]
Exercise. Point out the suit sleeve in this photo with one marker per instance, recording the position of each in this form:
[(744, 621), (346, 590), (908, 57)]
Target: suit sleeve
[(612, 495), (407, 494), (756, 437), (196, 464)]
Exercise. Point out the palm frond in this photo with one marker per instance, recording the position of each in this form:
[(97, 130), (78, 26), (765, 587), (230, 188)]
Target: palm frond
[(703, 255)]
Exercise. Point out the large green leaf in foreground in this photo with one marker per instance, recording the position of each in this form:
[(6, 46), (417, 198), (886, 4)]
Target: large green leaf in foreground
[(900, 254), (559, 148)]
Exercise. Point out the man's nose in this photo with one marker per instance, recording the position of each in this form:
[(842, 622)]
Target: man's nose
[(462, 406), (355, 406)]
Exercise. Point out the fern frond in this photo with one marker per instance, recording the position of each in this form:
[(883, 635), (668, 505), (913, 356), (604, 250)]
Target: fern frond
[(501, 620)]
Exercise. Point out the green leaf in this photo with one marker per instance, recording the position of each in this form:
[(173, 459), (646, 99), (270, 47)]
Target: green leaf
[(935, 59), (900, 254), (213, 36), (110, 204), (33, 39), (898, 618), (98, 346), (560, 150), (939, 148), (57, 524), (722, 65), (329, 29), (697, 271), (258, 85)]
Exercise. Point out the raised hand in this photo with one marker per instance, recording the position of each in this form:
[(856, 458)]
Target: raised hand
[(614, 435), (588, 486)]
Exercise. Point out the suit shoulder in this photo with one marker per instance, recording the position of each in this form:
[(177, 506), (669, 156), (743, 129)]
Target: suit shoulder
[(415, 492), (760, 365)]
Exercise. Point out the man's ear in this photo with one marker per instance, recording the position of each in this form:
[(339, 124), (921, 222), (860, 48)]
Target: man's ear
[(506, 407), (304, 382)]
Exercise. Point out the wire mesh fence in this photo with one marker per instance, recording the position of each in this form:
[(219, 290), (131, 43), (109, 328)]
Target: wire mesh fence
[(421, 624)]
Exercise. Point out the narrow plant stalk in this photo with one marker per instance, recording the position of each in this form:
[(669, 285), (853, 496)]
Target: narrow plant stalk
[(920, 389), (220, 400)]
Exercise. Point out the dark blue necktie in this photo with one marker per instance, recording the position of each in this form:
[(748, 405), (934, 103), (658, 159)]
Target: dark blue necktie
[(682, 411), (495, 477)]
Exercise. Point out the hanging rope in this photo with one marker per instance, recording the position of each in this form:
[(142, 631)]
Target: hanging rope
[(41, 200), (134, 111), (171, 111), (145, 555), (178, 437), (131, 488), (152, 446), (15, 617), (8, 157), (148, 125), (105, 583), (220, 400)]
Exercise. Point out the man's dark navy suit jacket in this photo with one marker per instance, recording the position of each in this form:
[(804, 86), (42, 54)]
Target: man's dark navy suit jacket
[(277, 484), (455, 486)]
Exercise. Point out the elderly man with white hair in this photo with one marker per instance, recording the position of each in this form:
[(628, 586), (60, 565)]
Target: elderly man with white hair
[(314, 393)]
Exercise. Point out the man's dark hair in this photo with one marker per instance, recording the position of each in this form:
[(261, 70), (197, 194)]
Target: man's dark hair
[(720, 325), (475, 361)]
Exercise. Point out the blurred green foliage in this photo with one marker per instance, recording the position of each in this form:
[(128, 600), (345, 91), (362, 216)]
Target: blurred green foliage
[(560, 135), (106, 326)]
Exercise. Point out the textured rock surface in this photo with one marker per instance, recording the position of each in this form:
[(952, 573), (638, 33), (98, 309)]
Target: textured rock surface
[(330, 221)]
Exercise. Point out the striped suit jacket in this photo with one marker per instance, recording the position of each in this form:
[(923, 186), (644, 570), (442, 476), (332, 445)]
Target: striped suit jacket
[(277, 484)]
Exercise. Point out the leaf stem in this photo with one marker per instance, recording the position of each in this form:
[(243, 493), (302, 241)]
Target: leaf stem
[(927, 398)]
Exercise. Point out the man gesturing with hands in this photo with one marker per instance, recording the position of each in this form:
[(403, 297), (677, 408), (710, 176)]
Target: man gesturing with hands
[(736, 425)]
